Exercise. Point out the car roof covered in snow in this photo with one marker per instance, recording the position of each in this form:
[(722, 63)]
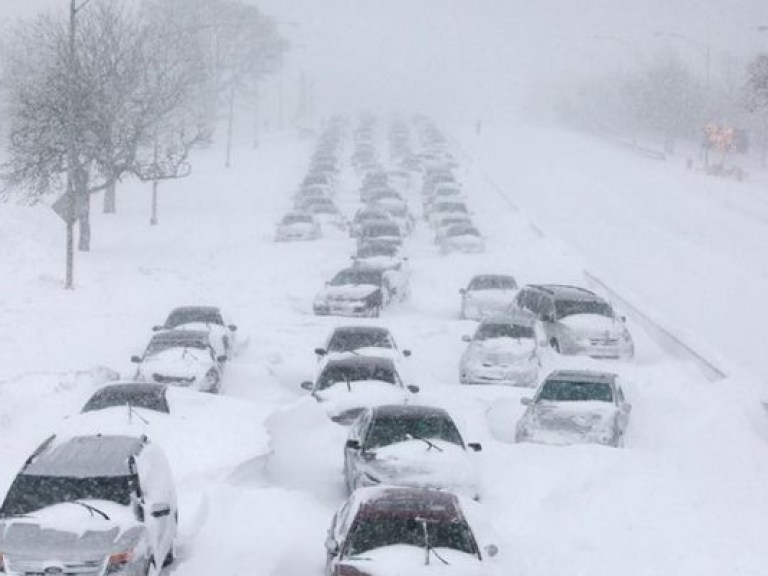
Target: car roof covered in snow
[(85, 456)]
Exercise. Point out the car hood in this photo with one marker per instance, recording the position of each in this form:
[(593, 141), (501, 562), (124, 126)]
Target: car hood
[(405, 560), (500, 350), (589, 324), (338, 399), (177, 362), (347, 292), (69, 531), (582, 417), (415, 463)]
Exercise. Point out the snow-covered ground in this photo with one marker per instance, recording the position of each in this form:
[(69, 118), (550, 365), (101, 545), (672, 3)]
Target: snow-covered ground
[(687, 496)]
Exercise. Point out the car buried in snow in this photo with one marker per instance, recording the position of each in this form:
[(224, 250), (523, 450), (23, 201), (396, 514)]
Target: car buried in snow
[(487, 294), (409, 445), (348, 384), (461, 238), (223, 334), (181, 358), (90, 505), (576, 406), (393, 530), (378, 255), (356, 291), (389, 232), (576, 321), (503, 350), (297, 226)]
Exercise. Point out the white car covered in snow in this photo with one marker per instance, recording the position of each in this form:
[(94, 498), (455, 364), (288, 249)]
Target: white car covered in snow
[(349, 384), (182, 358), (503, 350), (576, 406), (462, 238), (409, 445), (90, 505), (576, 321), (356, 291), (487, 294), (297, 226), (394, 530), (209, 318)]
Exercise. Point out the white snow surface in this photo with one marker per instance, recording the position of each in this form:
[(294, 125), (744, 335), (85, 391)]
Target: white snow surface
[(687, 496)]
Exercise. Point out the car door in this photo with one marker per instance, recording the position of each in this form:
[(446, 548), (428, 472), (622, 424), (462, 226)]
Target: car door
[(352, 457)]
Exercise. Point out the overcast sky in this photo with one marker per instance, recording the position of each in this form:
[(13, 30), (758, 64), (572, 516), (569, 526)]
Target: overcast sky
[(470, 56)]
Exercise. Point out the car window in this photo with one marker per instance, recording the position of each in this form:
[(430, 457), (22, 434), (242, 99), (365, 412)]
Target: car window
[(493, 283), (490, 330), (399, 428), (568, 391), (336, 373), (191, 315), (138, 396), (371, 532), (344, 341), (572, 307)]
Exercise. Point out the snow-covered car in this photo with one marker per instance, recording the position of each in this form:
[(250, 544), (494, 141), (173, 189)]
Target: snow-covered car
[(207, 318), (393, 530), (90, 505), (297, 226), (365, 216), (355, 291), (576, 406), (577, 321), (328, 214), (380, 231), (347, 385), (398, 212), (439, 210), (378, 255), (365, 340), (182, 358), (503, 350), (487, 294), (445, 221), (461, 238), (409, 445)]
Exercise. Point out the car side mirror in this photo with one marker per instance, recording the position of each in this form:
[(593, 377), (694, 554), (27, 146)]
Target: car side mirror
[(466, 338), (160, 510), (353, 444), (331, 546), (232, 327), (413, 388), (307, 385), (526, 401), (475, 446), (221, 359), (492, 550), (156, 328), (136, 359), (321, 351), (407, 353)]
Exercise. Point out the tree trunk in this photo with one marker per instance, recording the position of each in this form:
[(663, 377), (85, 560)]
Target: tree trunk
[(84, 242), (110, 197)]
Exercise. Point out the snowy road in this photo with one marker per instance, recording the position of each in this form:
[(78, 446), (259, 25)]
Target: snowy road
[(687, 496)]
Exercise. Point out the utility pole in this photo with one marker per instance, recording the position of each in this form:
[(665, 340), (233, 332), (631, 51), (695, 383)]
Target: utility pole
[(71, 145)]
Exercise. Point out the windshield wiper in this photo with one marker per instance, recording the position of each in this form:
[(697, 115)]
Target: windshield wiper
[(429, 443), (91, 509), (133, 412), (349, 382), (427, 548)]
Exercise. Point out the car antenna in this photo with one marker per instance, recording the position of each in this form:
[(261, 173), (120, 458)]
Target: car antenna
[(427, 548), (349, 383), (133, 412)]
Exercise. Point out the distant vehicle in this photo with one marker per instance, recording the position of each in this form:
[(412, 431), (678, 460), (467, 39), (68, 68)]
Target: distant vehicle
[(407, 445), (573, 406), (409, 529), (386, 257), (398, 212), (90, 505), (382, 231), (437, 210), (182, 358), (349, 384), (503, 350), (208, 318), (576, 321), (328, 214), (356, 291), (445, 221), (487, 294), (461, 238), (365, 340), (297, 226), (365, 216)]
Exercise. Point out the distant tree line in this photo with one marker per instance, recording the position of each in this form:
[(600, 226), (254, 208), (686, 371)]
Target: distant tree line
[(117, 89)]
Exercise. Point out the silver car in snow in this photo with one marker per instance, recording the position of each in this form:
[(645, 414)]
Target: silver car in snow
[(487, 294), (576, 406)]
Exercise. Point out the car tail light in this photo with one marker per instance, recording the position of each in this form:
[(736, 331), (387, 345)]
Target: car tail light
[(2, 563), (118, 560)]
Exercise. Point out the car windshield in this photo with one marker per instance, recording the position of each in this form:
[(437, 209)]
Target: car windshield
[(29, 493), (376, 249), (356, 372), (161, 342), (490, 330), (382, 230), (356, 276), (460, 230), (352, 340), (493, 283), (371, 216), (391, 429), (190, 315), (297, 219), (376, 532), (565, 308), (137, 395), (566, 391)]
